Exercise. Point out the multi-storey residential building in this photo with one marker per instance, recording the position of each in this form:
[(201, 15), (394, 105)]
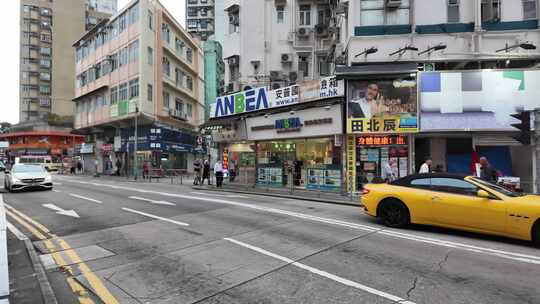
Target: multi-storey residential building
[(276, 43), (200, 17), (214, 70), (140, 66), (48, 29)]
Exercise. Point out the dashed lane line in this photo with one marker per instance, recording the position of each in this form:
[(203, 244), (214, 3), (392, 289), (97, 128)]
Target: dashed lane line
[(155, 217), (86, 198)]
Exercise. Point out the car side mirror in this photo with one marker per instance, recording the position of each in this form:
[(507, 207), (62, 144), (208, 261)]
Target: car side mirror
[(483, 194)]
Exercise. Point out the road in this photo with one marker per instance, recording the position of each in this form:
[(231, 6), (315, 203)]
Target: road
[(112, 241)]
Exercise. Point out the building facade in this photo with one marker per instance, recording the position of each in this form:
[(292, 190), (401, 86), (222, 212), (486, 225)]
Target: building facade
[(200, 18), (214, 71), (440, 84), (48, 29), (140, 70), (277, 43)]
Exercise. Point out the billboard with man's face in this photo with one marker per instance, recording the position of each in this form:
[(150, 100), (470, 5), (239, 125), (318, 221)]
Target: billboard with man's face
[(382, 106)]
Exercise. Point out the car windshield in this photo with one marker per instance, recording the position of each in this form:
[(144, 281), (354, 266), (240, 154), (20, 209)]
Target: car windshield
[(27, 169), (497, 188)]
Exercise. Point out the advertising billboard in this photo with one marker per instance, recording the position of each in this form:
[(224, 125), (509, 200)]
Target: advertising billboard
[(382, 106), (476, 100)]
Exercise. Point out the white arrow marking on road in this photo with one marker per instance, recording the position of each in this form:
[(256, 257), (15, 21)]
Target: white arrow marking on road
[(323, 273), (61, 211), (155, 217), (152, 201), (86, 198)]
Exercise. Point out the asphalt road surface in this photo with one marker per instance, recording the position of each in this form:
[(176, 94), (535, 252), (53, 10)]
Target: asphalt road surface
[(106, 240)]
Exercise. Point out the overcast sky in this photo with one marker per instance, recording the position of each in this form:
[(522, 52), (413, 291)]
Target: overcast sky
[(9, 53)]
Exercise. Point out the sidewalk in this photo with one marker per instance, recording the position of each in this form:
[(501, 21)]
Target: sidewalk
[(310, 195)]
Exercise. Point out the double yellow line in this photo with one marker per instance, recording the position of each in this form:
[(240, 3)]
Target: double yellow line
[(42, 233)]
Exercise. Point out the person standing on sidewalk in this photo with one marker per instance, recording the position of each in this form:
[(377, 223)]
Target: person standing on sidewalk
[(206, 172), (79, 167), (118, 166), (197, 169), (145, 170), (218, 172)]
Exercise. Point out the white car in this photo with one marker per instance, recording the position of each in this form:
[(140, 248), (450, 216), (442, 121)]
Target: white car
[(23, 176)]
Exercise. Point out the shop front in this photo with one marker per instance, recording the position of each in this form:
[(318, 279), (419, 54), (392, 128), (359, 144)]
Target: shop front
[(299, 149), (381, 118), (465, 115)]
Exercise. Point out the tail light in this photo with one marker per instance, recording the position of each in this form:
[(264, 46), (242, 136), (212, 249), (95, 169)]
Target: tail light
[(365, 191)]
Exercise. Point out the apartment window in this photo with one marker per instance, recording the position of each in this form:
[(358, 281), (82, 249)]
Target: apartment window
[(123, 92), (134, 13), (192, 12), (123, 57), (134, 88), (189, 55), (45, 12), (192, 24), (203, 24), (150, 20), (99, 40), (26, 8), (376, 12), (179, 75), (45, 89), (166, 99), (166, 66), (114, 95), (179, 105), (46, 38), (234, 21), (134, 51), (98, 70), (45, 63), (166, 33), (150, 56), (189, 82), (189, 110), (303, 65), (45, 102), (28, 87), (203, 12), (91, 74), (113, 59), (453, 10), (179, 45), (529, 9), (45, 25), (324, 66), (45, 51), (99, 101), (491, 10), (192, 1), (305, 15), (280, 13), (122, 23), (150, 92), (323, 14)]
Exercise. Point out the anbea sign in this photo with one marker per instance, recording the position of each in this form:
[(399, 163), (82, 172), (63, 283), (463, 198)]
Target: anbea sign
[(241, 102)]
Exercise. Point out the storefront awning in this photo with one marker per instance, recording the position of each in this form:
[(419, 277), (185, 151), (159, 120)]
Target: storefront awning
[(363, 71)]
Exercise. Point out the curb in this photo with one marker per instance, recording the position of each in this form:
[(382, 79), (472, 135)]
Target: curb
[(46, 289), (313, 199)]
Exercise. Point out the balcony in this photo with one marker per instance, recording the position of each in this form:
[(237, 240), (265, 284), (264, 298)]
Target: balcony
[(510, 25)]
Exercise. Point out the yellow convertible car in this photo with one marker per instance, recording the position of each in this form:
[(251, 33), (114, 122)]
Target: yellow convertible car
[(454, 201)]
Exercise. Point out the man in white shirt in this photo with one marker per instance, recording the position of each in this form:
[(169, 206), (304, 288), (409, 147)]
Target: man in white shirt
[(426, 167), (218, 172)]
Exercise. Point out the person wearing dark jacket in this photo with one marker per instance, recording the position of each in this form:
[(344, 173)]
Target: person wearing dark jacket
[(487, 171), (206, 172)]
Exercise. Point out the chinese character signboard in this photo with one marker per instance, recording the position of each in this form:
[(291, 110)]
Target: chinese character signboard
[(382, 106), (351, 163), (381, 140), (327, 87), (285, 96)]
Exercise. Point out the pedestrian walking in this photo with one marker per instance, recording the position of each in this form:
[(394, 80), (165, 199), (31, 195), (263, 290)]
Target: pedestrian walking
[(232, 170), (487, 171), (218, 172), (426, 166), (206, 172), (197, 164), (79, 167), (145, 169), (118, 167)]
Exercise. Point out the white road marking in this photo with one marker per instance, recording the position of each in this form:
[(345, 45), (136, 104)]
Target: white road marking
[(61, 211), (515, 256), (57, 191), (155, 217), (86, 198), (152, 201), (220, 195), (323, 273), (21, 236)]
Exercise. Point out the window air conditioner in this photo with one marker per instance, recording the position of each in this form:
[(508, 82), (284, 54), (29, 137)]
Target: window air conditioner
[(392, 4), (286, 58)]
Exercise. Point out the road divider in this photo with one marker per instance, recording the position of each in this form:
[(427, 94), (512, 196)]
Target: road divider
[(378, 230), (155, 217), (323, 273), (86, 198), (152, 201)]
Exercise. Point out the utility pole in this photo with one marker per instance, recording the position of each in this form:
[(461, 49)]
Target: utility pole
[(135, 144), (536, 151)]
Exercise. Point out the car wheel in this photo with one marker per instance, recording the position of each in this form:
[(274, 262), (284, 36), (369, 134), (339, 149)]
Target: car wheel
[(394, 213), (536, 234)]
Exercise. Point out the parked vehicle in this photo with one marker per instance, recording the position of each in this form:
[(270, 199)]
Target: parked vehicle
[(454, 201), (46, 161), (27, 176)]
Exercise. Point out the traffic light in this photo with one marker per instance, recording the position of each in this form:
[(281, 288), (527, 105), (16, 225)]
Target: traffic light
[(524, 127)]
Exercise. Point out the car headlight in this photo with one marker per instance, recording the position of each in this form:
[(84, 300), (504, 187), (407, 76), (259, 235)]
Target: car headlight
[(48, 178), (15, 180)]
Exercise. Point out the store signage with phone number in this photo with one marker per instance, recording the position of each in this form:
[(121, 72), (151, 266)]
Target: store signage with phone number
[(394, 124)]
